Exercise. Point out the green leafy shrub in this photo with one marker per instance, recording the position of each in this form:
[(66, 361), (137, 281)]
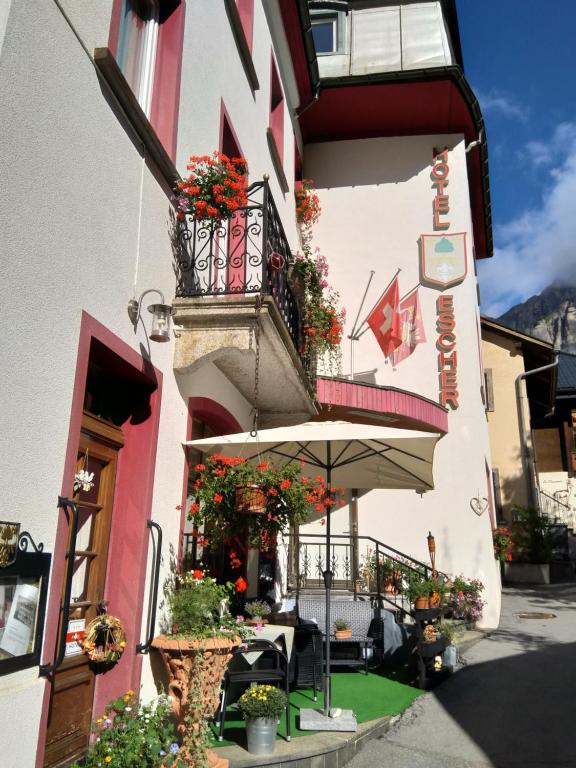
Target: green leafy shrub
[(132, 735)]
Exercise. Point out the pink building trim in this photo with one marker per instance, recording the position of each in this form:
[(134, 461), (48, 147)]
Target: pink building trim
[(346, 398)]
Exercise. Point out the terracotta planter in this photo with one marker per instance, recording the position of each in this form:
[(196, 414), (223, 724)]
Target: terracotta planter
[(254, 622), (201, 663), (250, 500), (343, 634), (422, 603)]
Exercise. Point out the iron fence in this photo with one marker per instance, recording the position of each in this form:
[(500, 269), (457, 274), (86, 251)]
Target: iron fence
[(246, 254)]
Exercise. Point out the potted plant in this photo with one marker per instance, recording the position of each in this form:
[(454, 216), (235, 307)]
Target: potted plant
[(450, 653), (464, 600), (261, 707), (423, 592), (342, 629), (227, 487), (532, 547), (257, 610), (129, 733), (196, 648), (215, 188), (417, 589)]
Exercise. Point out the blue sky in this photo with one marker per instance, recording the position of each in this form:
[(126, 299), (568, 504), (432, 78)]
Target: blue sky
[(520, 59)]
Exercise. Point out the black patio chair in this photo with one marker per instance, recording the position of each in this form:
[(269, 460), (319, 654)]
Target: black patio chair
[(307, 658), (271, 667)]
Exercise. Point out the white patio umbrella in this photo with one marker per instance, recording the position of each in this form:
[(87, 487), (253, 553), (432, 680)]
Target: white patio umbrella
[(353, 456)]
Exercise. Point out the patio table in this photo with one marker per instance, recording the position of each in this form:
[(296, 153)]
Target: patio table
[(360, 643), (271, 632)]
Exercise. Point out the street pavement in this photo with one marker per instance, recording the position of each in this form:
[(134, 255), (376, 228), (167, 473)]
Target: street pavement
[(511, 706)]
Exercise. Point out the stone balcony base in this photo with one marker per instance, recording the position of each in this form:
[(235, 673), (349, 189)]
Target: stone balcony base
[(221, 330)]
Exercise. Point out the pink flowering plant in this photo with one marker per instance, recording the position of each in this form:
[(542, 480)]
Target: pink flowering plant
[(464, 599)]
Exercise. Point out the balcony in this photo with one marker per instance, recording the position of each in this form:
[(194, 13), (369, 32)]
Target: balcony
[(232, 297)]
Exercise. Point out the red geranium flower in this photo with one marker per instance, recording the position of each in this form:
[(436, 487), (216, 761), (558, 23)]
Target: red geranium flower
[(241, 584)]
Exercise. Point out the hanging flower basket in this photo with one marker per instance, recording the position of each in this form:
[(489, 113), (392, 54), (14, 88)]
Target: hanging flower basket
[(234, 495), (250, 500)]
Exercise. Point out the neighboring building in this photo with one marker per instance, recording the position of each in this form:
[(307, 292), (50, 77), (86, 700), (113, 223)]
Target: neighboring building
[(555, 446), (516, 400), (104, 109)]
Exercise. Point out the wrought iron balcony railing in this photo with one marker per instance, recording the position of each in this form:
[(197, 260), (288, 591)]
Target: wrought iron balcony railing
[(246, 254)]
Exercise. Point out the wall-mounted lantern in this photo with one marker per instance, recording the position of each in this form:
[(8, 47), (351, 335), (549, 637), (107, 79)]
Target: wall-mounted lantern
[(161, 314)]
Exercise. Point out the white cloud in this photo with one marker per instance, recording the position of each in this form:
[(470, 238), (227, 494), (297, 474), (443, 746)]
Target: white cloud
[(541, 153), (503, 103), (538, 246)]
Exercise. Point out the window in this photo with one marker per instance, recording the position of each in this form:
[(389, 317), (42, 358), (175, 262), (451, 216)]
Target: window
[(146, 38), (277, 111), (137, 46), (328, 32), (324, 33)]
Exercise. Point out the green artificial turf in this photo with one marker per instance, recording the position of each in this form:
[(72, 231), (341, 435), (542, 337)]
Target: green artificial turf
[(368, 696)]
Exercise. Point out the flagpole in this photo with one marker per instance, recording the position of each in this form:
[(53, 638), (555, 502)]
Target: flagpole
[(352, 332), (409, 292), (358, 334)]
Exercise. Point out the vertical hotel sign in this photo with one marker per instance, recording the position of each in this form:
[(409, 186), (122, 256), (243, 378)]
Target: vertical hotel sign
[(443, 263)]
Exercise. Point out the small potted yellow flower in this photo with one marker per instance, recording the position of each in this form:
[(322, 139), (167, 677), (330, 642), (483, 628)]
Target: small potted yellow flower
[(261, 707)]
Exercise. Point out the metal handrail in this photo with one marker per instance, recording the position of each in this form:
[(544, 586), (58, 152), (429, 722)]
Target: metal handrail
[(353, 579), (65, 504), (554, 500), (153, 598)]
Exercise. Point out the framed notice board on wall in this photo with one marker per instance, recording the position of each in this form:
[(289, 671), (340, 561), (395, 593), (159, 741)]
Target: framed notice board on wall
[(23, 593)]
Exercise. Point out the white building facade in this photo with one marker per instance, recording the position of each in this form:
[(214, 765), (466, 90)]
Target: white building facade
[(105, 108)]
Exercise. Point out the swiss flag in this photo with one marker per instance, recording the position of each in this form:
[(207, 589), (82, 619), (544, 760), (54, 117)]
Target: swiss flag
[(412, 327), (384, 320)]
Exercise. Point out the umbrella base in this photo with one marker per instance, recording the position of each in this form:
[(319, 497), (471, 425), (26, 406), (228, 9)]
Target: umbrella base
[(316, 720)]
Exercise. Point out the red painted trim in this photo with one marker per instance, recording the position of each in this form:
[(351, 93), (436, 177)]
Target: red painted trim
[(432, 280), (221, 421), (246, 13), (226, 122), (166, 90), (236, 269), (129, 485), (276, 121), (298, 172), (423, 413), (293, 29), (114, 31)]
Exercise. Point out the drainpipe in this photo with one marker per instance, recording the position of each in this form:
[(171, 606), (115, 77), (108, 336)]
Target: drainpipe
[(526, 447)]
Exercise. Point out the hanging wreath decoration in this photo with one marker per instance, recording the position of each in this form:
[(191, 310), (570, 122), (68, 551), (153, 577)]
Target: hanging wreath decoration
[(104, 640)]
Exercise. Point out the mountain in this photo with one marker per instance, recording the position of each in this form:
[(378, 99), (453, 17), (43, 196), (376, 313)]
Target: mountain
[(550, 316)]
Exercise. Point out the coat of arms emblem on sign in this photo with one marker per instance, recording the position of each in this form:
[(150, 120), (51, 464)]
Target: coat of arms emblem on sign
[(443, 260)]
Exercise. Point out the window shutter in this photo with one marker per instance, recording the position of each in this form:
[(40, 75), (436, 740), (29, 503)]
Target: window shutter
[(489, 387)]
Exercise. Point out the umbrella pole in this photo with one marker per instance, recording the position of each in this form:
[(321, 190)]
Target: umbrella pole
[(328, 584)]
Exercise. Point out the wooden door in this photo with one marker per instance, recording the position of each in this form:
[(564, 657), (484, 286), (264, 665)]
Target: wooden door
[(70, 713)]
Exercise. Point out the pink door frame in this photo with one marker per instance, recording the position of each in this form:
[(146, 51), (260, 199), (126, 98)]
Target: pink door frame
[(127, 557)]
